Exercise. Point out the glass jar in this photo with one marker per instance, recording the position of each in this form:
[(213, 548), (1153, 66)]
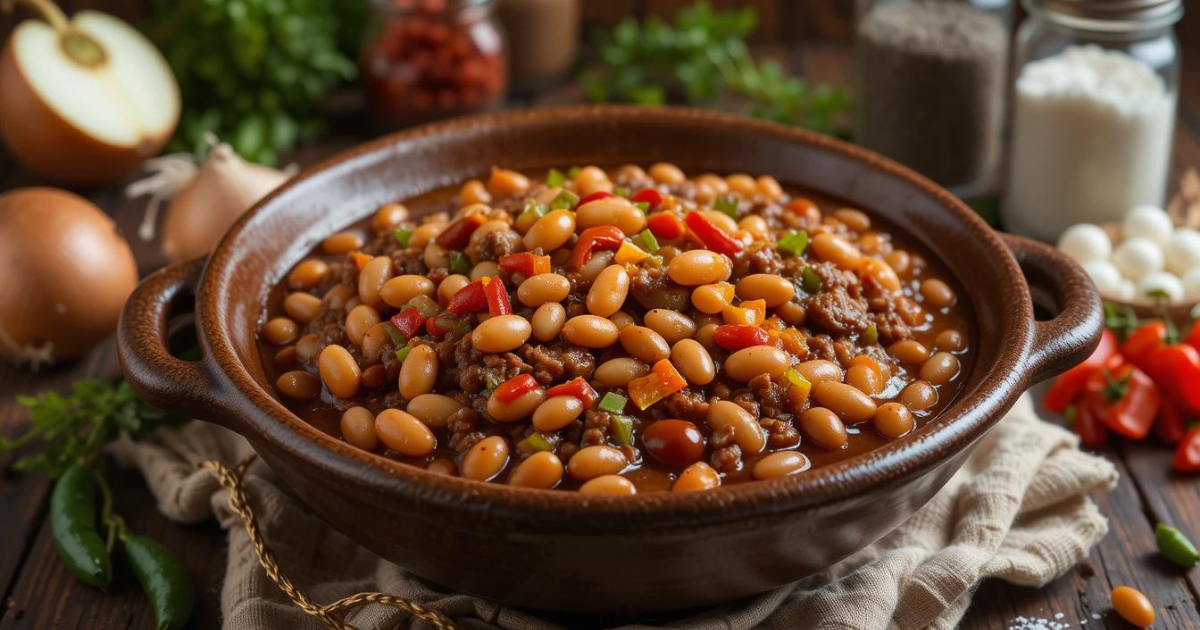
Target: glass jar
[(932, 78), (429, 59), (1097, 84)]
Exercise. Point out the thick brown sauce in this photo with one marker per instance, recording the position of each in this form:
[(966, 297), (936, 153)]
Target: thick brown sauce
[(325, 411)]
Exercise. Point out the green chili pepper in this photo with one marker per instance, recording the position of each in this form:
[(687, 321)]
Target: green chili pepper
[(1175, 546), (73, 521), (728, 205), (163, 579), (622, 429), (555, 178), (810, 281)]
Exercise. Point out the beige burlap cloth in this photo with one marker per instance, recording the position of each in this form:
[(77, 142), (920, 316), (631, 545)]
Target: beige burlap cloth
[(1018, 511)]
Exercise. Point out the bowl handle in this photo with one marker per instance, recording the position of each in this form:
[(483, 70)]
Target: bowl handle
[(157, 376), (1061, 286)]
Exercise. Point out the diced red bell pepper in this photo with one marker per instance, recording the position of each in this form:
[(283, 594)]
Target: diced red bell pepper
[(662, 381), (408, 322), (458, 234), (1176, 370), (1087, 425), (648, 196), (1126, 400), (734, 337), (802, 205), (1069, 385), (497, 296), (712, 236), (1142, 343), (577, 387), (432, 328), (515, 387), (468, 299), (599, 194), (1172, 424), (1187, 454), (593, 239), (665, 225), (526, 263)]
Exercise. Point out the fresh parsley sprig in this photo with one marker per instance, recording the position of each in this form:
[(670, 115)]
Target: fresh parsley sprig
[(701, 59)]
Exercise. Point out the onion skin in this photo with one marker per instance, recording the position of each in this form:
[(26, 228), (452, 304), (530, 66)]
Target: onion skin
[(65, 273), (49, 146)]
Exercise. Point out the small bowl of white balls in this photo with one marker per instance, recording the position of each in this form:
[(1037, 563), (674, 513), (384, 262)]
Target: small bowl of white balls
[(1151, 259)]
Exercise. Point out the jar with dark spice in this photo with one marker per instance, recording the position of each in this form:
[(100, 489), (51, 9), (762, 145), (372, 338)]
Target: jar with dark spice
[(429, 59), (932, 84)]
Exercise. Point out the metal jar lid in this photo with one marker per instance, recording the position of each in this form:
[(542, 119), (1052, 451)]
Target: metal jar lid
[(1146, 12)]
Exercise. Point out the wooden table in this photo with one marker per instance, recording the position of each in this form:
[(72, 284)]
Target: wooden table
[(40, 593)]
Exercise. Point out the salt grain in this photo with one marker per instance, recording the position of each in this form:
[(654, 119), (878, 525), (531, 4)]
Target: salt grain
[(1038, 623)]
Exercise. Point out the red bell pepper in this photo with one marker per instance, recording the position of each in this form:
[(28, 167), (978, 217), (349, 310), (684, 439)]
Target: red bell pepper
[(458, 234), (432, 328), (1142, 343), (648, 196), (1172, 424), (515, 387), (665, 225), (408, 322), (1187, 454), (593, 239), (802, 205), (1087, 425), (734, 337), (1126, 400), (712, 236), (599, 194), (1069, 385), (1176, 370), (468, 299), (497, 296), (577, 387), (526, 263)]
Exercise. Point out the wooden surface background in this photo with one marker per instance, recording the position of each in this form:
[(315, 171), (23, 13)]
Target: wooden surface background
[(809, 37)]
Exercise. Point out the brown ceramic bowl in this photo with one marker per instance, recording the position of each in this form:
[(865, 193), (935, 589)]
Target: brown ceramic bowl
[(562, 550)]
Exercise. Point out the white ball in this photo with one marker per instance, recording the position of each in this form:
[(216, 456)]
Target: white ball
[(1137, 257), (1105, 275), (1183, 251), (1160, 283), (1148, 222), (1191, 284), (1084, 242)]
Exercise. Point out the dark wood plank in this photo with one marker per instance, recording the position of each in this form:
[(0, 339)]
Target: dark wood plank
[(820, 20)]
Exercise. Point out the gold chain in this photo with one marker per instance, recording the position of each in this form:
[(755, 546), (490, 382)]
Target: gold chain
[(239, 502)]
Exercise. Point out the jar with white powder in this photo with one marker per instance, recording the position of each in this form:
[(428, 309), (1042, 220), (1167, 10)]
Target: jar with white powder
[(1097, 83)]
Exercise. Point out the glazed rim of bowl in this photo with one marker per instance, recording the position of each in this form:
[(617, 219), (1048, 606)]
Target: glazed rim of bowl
[(965, 420)]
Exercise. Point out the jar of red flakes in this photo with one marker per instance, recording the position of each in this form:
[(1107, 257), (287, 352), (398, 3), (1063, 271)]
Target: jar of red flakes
[(429, 59)]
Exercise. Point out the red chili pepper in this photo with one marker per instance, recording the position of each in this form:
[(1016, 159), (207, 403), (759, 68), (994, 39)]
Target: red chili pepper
[(712, 236), (1187, 454), (1069, 385), (468, 299), (1142, 343), (1126, 400), (1172, 424), (458, 234), (594, 239), (665, 225), (648, 196), (497, 296), (408, 322), (599, 194), (526, 263), (577, 387), (515, 387), (432, 328), (734, 337), (1087, 425), (1176, 370)]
